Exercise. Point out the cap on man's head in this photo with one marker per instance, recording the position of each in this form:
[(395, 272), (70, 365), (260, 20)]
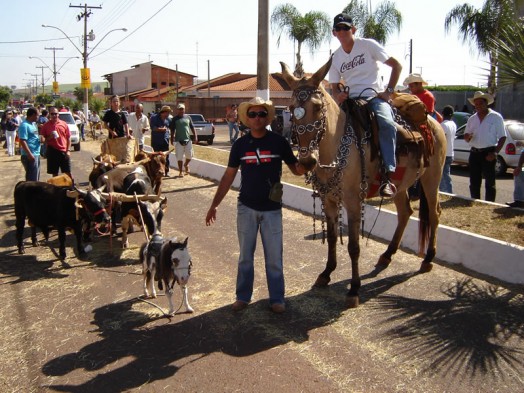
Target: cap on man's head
[(342, 19), (447, 111), (180, 106)]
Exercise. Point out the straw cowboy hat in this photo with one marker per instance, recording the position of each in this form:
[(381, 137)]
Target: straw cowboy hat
[(478, 94), (243, 108), (165, 108), (412, 78)]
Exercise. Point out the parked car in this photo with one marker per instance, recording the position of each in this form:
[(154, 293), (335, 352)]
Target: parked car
[(509, 154), (282, 122), (204, 129), (73, 129), (460, 118)]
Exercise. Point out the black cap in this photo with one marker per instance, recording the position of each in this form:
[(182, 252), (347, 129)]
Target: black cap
[(342, 19), (447, 111)]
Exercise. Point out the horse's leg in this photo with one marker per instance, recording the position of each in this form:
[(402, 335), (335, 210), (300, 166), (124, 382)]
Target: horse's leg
[(331, 212), (404, 211), (430, 217), (353, 215)]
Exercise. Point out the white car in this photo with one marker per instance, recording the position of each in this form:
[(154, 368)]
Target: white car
[(509, 154), (73, 129)]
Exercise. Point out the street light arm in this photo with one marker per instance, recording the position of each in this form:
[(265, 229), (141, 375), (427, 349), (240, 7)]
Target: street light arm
[(62, 66), (54, 27), (36, 57), (91, 51)]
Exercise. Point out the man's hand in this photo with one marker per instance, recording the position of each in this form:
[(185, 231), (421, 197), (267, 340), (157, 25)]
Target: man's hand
[(211, 215)]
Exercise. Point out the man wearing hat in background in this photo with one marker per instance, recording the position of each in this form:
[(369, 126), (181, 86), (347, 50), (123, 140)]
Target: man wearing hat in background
[(160, 132), (486, 135), (259, 156), (416, 84), (181, 128), (357, 63)]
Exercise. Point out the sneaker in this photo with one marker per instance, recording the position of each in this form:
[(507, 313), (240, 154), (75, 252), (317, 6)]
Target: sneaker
[(278, 308), (239, 305), (519, 204)]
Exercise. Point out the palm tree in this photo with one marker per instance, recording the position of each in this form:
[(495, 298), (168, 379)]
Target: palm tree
[(379, 24), (311, 29), (510, 50), (481, 27)]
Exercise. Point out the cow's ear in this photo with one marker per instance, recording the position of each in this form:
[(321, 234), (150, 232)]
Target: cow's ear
[(185, 241)]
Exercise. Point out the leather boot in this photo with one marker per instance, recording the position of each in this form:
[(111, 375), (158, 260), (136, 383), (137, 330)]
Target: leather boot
[(387, 189)]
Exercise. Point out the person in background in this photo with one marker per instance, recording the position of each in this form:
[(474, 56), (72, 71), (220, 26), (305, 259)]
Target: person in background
[(259, 156), (518, 191), (160, 132), (139, 124), (450, 128), (181, 128), (357, 63), (42, 119), (416, 84), (30, 145), (486, 134), (9, 126), (116, 121), (232, 122), (58, 139), (82, 122)]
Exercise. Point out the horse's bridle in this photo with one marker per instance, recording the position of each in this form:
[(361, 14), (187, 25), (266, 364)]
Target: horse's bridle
[(303, 95)]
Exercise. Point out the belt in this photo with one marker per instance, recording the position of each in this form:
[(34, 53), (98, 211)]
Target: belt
[(483, 150)]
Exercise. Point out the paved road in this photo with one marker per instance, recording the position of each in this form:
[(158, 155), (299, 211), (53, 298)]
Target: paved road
[(84, 329), (459, 174)]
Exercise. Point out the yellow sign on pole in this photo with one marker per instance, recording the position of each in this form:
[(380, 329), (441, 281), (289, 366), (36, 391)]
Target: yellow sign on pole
[(85, 76), (55, 87)]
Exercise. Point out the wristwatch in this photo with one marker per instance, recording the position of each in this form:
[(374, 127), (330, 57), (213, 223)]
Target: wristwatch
[(390, 90)]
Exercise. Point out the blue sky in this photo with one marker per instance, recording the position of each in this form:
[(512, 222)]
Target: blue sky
[(191, 33)]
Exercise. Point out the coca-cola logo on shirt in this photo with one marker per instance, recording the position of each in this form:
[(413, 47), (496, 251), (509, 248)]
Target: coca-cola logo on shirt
[(357, 60)]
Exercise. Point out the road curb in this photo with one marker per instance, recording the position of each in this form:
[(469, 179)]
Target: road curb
[(484, 255)]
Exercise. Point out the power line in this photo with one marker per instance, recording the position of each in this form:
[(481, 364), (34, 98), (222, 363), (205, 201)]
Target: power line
[(46, 40)]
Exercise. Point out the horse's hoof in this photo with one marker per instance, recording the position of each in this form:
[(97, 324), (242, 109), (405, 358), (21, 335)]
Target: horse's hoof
[(425, 267), (189, 310), (383, 262), (21, 251), (321, 282), (352, 301)]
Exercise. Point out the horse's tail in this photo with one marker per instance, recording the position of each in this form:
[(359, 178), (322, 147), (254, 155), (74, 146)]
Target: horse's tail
[(423, 224)]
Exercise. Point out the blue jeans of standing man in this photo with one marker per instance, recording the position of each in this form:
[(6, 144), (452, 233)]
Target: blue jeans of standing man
[(387, 131), (32, 169), (446, 184), (269, 223), (518, 192), (233, 126)]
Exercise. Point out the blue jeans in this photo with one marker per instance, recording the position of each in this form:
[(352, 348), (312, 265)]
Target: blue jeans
[(387, 131), (32, 169), (446, 184), (233, 126), (249, 222), (518, 192)]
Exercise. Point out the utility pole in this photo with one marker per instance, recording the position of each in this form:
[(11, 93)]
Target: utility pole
[(54, 60), (42, 67), (263, 50), (86, 78), (410, 56)]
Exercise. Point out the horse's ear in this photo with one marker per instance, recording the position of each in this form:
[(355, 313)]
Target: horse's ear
[(319, 76), (288, 76)]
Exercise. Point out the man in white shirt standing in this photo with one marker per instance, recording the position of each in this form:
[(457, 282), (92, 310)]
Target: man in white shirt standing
[(450, 129), (486, 134), (139, 124)]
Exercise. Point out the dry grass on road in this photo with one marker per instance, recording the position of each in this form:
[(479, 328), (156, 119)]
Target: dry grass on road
[(494, 221)]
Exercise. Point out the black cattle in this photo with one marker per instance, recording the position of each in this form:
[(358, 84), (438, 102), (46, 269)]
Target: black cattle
[(46, 205), (101, 164)]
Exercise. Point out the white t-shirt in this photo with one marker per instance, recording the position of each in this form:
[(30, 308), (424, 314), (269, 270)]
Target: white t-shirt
[(359, 68), (450, 129), (486, 133)]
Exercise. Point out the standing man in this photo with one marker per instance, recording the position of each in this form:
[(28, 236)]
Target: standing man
[(139, 124), (232, 122), (357, 63), (9, 126), (181, 128), (450, 129), (518, 191), (416, 84), (486, 134), (160, 132), (116, 121), (259, 156), (30, 145), (58, 139)]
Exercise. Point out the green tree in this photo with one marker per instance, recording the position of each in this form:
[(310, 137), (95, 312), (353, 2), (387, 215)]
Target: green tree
[(510, 50), (79, 94), (43, 98), (378, 24), (310, 29), (5, 95), (97, 104), (482, 27)]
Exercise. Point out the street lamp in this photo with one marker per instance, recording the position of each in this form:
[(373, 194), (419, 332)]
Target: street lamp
[(85, 54), (53, 70)]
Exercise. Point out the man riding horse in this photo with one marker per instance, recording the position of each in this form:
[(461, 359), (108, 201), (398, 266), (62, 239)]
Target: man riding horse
[(356, 62)]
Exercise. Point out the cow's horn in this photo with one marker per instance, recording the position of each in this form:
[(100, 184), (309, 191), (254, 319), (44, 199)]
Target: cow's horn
[(72, 193)]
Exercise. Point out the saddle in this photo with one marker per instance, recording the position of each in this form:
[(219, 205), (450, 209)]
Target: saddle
[(413, 133)]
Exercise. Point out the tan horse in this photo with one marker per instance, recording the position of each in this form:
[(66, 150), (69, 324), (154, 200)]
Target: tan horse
[(333, 152)]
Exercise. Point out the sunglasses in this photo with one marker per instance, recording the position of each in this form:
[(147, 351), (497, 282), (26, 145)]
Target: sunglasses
[(53, 114), (343, 27), (260, 114)]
